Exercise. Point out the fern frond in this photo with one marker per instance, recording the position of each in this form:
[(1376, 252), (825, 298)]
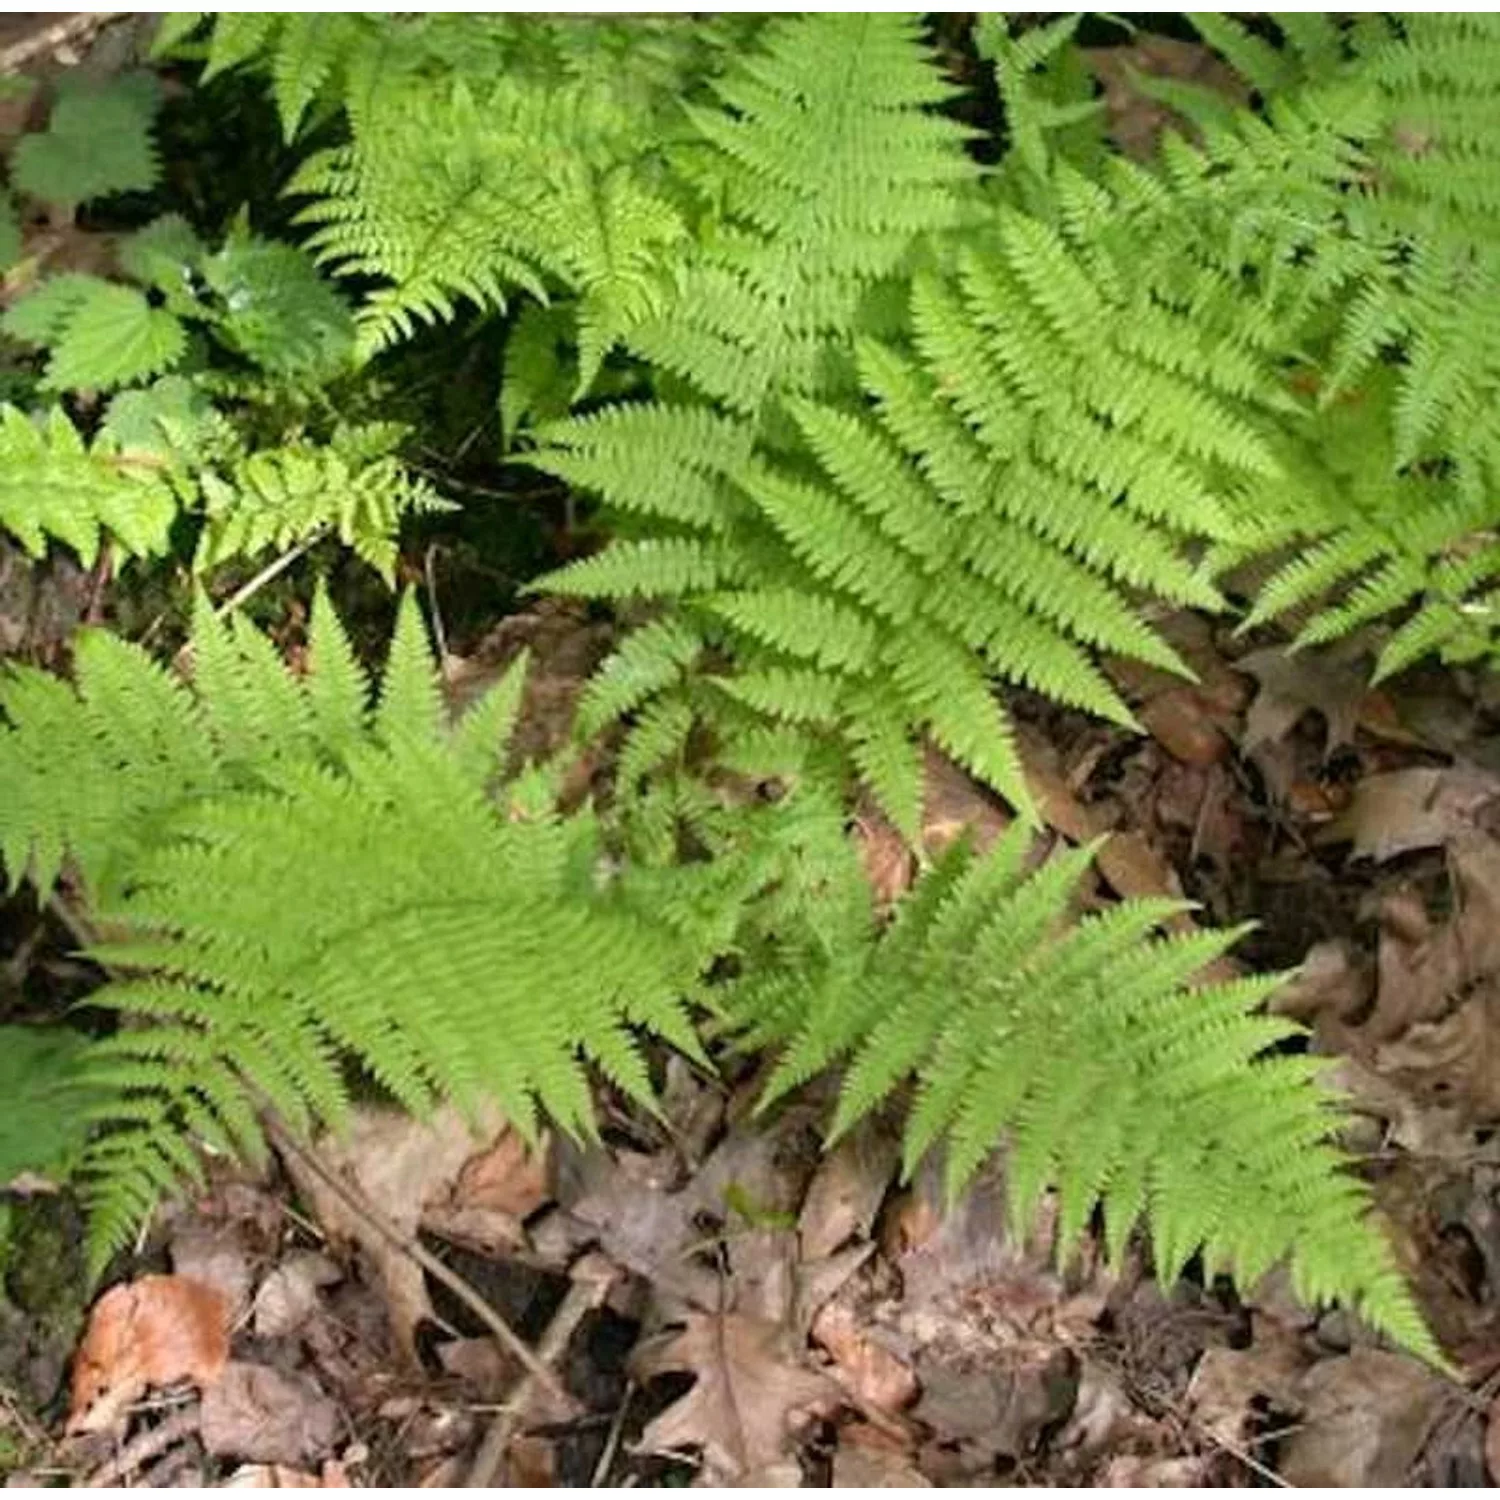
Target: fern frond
[(53, 485), (1106, 1066), (479, 960), (278, 497)]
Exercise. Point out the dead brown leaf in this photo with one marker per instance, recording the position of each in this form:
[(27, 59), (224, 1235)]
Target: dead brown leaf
[(753, 1389), (874, 1374), (400, 1165), (1129, 1471), (1422, 969), (1185, 727), (480, 1364), (888, 862), (847, 1189), (1366, 1417), (860, 1463), (216, 1255), (1492, 1441), (1453, 1062), (1137, 121), (262, 1415), (155, 1331), (1423, 807), (1331, 683), (998, 1410), (954, 803), (291, 1293), (509, 1178), (283, 1477), (1228, 1384)]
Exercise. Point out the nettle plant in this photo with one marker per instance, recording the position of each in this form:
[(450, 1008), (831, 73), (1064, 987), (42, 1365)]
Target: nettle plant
[(876, 431)]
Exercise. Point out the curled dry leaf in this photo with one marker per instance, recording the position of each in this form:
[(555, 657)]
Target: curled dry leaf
[(1366, 1417), (257, 1413), (752, 1392), (156, 1331), (290, 1294)]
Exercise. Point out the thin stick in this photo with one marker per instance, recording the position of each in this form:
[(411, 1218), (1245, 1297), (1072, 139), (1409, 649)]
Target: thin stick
[(70, 29), (356, 1202), (586, 1293), (272, 570), (140, 1450), (612, 1442)]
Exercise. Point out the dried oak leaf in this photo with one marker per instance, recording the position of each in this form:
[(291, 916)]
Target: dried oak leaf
[(155, 1331), (752, 1390), (1422, 807), (1333, 683), (257, 1413)]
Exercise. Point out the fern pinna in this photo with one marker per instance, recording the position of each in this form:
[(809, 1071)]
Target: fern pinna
[(288, 878)]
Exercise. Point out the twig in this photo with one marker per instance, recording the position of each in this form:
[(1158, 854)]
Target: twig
[(612, 1442), (429, 567), (70, 29), (145, 1446), (272, 570), (586, 1293), (356, 1202)]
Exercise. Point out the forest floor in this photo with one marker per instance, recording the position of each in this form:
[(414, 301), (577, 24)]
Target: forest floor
[(703, 1298)]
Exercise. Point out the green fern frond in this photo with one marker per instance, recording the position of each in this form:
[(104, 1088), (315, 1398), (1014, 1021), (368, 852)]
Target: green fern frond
[(280, 497), (1106, 1066), (477, 961), (53, 485)]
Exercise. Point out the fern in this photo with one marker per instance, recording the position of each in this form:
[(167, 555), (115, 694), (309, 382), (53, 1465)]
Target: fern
[(486, 957), (52, 484), (282, 497), (1093, 1051), (470, 190), (1044, 450)]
